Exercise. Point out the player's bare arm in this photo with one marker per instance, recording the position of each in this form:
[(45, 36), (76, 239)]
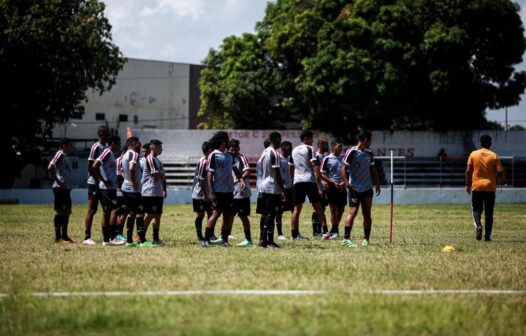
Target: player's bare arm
[(376, 179)]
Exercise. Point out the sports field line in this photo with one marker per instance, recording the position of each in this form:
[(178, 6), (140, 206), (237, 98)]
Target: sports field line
[(249, 292)]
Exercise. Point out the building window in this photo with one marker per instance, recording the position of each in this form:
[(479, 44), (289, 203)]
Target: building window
[(100, 116), (123, 117), (135, 119)]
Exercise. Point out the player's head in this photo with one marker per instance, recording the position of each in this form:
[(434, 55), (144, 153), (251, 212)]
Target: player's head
[(133, 143), (220, 140), (307, 137), (485, 141), (286, 148), (114, 142), (365, 138), (336, 147), (323, 145), (103, 132), (67, 146), (156, 147), (205, 147), (234, 147), (266, 142), (145, 149), (275, 139)]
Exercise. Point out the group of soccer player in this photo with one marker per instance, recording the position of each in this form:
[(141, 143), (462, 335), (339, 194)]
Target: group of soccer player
[(132, 187), (285, 177), (126, 187)]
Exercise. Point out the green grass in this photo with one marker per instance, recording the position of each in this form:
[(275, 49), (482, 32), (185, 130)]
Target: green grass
[(31, 262)]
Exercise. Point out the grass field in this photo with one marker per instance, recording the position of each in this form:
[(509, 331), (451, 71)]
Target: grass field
[(30, 262)]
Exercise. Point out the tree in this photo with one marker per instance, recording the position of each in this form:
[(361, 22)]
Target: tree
[(51, 53), (391, 64)]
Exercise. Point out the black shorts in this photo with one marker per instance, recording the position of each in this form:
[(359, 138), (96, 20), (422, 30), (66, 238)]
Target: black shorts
[(337, 196), (303, 189), (94, 192), (272, 203), (242, 206), (108, 199), (62, 199), (356, 198), (121, 206), (288, 203), (201, 206), (133, 203), (224, 202), (153, 204), (260, 206)]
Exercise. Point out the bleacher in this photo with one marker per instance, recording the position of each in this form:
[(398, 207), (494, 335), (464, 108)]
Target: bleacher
[(408, 172)]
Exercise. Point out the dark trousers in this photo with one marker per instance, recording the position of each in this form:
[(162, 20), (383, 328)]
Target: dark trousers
[(483, 201)]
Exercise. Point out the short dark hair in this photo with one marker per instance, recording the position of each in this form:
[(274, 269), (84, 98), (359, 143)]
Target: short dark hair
[(234, 143), (306, 134), (286, 144), (336, 142), (114, 139), (323, 140), (214, 143), (101, 129), (274, 136), (205, 147), (65, 142), (222, 135), (155, 142), (130, 140), (485, 141), (363, 135), (146, 146), (266, 142)]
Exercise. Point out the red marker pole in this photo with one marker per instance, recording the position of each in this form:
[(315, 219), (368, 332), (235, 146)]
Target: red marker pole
[(392, 202)]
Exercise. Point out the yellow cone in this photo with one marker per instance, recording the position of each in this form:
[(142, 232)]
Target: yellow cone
[(448, 249)]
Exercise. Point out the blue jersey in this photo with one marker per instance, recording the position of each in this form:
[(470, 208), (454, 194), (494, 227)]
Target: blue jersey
[(108, 169), (128, 158), (200, 175), (62, 165), (359, 163), (331, 167), (221, 165), (285, 164), (241, 164)]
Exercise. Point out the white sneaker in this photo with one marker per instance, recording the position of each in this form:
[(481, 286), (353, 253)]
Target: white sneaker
[(106, 243), (232, 237), (89, 241), (117, 241), (334, 236), (282, 237)]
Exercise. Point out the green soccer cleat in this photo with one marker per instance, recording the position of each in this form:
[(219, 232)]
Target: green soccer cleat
[(348, 243), (147, 244), (245, 243), (365, 242), (132, 245)]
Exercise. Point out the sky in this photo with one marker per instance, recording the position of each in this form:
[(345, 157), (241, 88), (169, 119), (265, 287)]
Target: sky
[(184, 30)]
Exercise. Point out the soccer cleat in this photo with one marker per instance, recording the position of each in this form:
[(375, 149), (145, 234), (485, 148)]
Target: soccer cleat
[(132, 244), (334, 235), (121, 237), (273, 245), (317, 235), (282, 237), (478, 233), (104, 243), (147, 244), (158, 242), (213, 237), (205, 243), (89, 241), (117, 242), (218, 241), (365, 242), (245, 243), (232, 237), (348, 243), (488, 239), (300, 237), (326, 236), (263, 244)]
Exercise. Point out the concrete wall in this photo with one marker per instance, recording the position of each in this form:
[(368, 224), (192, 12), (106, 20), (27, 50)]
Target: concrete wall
[(184, 196)]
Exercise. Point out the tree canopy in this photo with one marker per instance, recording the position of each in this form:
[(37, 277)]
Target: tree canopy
[(340, 65), (51, 53)]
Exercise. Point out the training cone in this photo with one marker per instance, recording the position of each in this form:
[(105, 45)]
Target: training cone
[(448, 249)]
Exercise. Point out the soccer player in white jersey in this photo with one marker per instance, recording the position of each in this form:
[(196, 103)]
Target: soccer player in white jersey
[(306, 182), (131, 190), (200, 200), (241, 195), (96, 150), (105, 168), (59, 169), (221, 184), (121, 207), (153, 190), (321, 153), (287, 176), (359, 174), (260, 207), (271, 187), (336, 192)]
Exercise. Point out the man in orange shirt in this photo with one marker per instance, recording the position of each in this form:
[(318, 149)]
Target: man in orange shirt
[(483, 170)]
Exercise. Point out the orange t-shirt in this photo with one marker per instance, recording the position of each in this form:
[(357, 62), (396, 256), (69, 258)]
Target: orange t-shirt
[(486, 165)]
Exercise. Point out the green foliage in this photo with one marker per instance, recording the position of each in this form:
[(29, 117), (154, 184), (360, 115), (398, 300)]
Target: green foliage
[(51, 53), (338, 65)]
